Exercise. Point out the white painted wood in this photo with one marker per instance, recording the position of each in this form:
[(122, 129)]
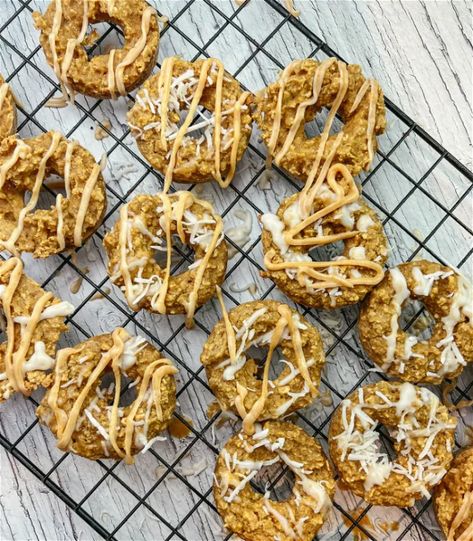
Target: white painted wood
[(421, 54)]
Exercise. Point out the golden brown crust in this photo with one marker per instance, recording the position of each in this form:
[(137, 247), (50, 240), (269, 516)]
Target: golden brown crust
[(45, 334), (195, 160), (279, 401), (7, 110), (91, 76), (430, 361), (254, 517), (301, 155), (371, 239), (423, 434), (145, 231), (449, 495), (87, 439), (41, 229)]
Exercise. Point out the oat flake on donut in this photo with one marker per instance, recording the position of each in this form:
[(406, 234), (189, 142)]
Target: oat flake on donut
[(448, 298), (422, 433)]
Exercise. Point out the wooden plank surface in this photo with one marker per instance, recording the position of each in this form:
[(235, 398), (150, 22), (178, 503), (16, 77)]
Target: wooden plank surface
[(421, 54)]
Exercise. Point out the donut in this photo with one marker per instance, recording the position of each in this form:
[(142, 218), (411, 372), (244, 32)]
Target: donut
[(422, 431), (302, 90), (34, 321), (448, 298), (64, 38), (146, 225), (453, 498), (24, 166), (87, 418), (219, 140), (7, 110), (328, 211), (232, 373), (256, 517)]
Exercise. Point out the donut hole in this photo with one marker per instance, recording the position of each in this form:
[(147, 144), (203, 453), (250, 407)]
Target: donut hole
[(199, 126), (128, 390), (259, 354), (101, 38), (328, 252), (316, 123), (278, 480), (416, 320), (182, 255), (51, 187)]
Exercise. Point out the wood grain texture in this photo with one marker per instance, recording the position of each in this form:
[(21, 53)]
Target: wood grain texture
[(421, 54)]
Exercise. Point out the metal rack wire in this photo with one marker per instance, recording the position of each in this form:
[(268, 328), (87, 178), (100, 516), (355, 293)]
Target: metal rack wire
[(414, 519)]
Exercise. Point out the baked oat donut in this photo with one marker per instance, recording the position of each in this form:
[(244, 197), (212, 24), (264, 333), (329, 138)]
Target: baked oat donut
[(34, 321), (147, 224), (64, 35), (24, 166), (453, 498), (423, 433), (88, 419), (183, 87), (7, 110), (256, 517), (302, 90), (232, 373), (448, 298), (328, 211)]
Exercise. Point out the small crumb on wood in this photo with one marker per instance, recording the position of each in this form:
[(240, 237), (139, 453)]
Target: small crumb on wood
[(100, 133)]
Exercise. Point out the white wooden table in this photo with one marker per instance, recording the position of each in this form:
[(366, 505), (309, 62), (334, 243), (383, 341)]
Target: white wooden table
[(421, 54)]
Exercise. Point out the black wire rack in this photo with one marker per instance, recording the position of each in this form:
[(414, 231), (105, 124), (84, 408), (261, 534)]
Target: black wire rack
[(417, 188)]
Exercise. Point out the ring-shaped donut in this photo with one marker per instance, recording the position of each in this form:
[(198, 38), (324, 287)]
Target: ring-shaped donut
[(63, 38), (34, 321), (256, 517), (302, 90), (232, 373), (166, 142), (7, 110), (422, 431), (147, 224), (309, 219), (24, 165), (447, 296), (453, 498), (88, 419)]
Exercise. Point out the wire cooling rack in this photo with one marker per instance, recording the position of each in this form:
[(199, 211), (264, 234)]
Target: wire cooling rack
[(421, 192)]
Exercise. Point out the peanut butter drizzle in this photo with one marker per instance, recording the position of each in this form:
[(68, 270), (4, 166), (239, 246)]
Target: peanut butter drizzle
[(84, 203), (299, 117), (66, 422), (15, 360), (135, 51), (164, 89), (60, 223), (308, 268), (15, 234), (462, 514), (285, 320), (19, 152), (111, 84), (3, 93), (67, 166)]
